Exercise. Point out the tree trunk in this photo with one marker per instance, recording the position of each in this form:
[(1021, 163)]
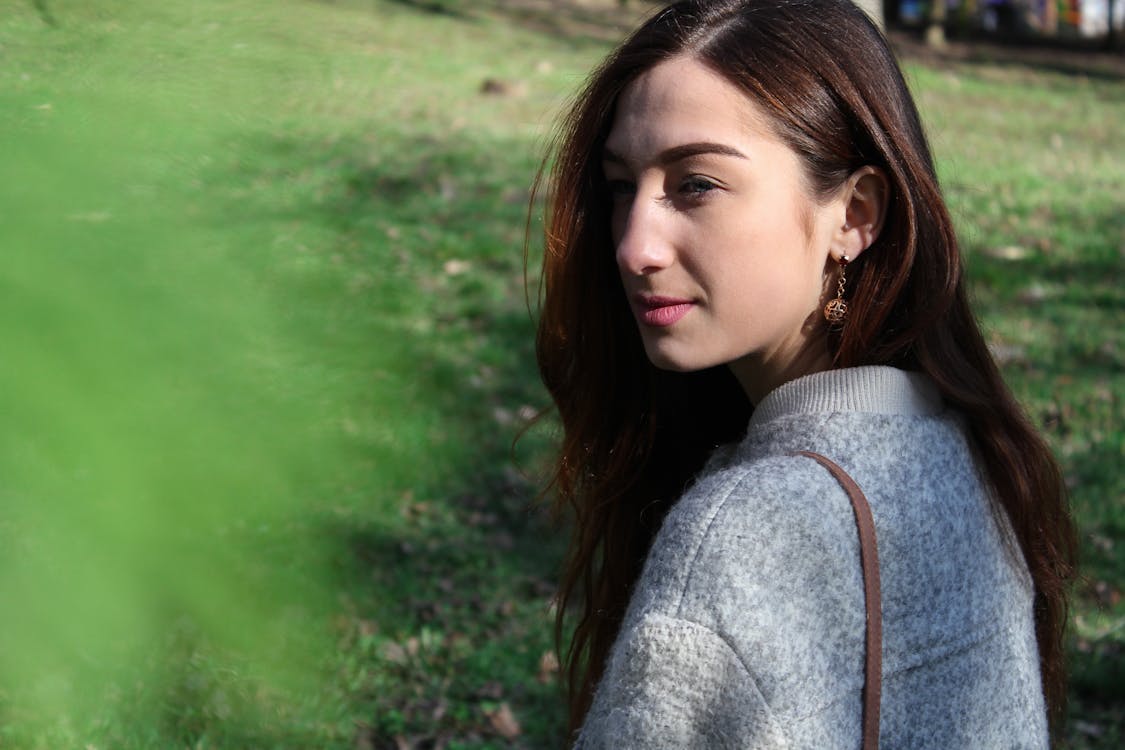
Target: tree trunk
[(935, 30), (873, 8), (1111, 30)]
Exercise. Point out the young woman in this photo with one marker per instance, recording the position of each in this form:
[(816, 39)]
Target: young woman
[(748, 256)]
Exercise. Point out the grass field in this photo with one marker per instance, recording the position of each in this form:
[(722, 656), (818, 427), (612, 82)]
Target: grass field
[(267, 347)]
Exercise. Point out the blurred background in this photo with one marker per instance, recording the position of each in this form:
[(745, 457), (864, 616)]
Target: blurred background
[(266, 345)]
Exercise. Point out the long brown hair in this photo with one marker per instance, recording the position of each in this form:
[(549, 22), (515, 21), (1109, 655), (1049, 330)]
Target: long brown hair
[(634, 436)]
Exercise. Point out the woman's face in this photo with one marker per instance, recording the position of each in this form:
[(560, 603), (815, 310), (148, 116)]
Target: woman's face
[(723, 254)]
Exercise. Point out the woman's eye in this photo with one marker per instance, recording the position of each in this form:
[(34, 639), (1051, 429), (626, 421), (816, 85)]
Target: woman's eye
[(696, 186)]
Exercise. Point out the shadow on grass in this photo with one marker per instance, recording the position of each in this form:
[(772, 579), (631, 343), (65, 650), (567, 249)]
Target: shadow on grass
[(1097, 680), (408, 291), (602, 22), (460, 596), (573, 21), (44, 11), (436, 7)]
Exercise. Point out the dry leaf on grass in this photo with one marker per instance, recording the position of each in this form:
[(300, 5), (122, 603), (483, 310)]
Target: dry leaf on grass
[(548, 667), (504, 722), (394, 653)]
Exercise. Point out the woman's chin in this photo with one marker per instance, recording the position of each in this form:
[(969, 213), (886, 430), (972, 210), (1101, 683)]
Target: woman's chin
[(672, 361)]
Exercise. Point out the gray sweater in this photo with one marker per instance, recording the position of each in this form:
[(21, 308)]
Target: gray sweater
[(746, 628)]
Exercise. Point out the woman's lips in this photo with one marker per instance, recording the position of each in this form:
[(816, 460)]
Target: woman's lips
[(661, 312)]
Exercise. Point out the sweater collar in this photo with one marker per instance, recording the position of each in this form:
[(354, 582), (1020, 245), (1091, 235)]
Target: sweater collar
[(873, 390)]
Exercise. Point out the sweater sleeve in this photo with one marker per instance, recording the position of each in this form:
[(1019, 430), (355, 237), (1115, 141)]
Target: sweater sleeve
[(672, 683)]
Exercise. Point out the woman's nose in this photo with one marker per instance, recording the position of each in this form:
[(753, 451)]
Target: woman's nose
[(643, 246)]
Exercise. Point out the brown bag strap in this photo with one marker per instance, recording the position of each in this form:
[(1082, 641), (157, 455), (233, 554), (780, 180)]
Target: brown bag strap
[(869, 559)]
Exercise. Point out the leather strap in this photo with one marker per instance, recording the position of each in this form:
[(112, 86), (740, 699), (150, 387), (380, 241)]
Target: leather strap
[(869, 559)]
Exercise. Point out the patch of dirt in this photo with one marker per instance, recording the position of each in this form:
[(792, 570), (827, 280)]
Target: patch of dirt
[(1045, 55)]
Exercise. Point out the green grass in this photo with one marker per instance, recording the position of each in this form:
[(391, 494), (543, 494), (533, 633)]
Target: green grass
[(267, 346)]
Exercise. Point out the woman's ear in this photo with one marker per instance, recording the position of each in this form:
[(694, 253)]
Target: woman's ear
[(864, 200)]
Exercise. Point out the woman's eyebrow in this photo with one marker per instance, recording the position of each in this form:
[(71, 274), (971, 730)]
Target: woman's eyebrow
[(679, 153)]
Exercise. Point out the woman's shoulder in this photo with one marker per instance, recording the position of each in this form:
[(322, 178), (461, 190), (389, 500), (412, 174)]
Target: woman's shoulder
[(763, 553), (754, 497), (782, 517)]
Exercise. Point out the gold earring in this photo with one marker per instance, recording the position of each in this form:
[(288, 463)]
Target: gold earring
[(836, 311)]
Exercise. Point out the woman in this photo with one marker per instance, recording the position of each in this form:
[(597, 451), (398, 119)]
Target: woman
[(747, 247)]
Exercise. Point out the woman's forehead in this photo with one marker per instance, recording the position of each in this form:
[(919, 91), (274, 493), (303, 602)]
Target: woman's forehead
[(682, 101)]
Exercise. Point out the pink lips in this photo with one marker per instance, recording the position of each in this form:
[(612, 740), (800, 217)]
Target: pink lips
[(661, 312)]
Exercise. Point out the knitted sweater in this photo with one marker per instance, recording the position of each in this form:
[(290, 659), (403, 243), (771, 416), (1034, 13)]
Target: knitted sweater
[(746, 627)]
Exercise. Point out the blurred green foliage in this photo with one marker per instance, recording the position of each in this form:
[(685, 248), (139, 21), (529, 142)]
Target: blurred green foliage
[(157, 462)]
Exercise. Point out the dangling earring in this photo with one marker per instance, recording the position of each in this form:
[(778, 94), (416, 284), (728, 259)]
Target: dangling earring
[(836, 311)]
